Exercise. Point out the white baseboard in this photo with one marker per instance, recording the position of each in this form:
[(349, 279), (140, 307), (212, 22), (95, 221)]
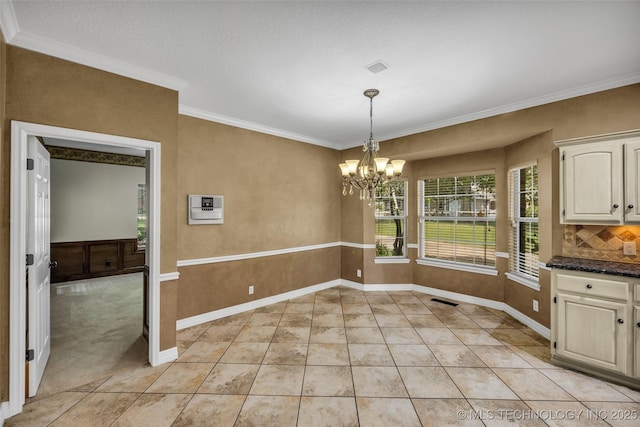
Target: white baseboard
[(252, 305), (459, 297), (4, 406), (523, 318), (236, 309), (168, 355)]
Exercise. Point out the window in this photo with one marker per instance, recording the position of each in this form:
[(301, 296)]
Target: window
[(391, 219), (142, 217), (458, 220), (523, 216)]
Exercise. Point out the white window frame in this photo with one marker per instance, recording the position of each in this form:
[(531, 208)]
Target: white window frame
[(516, 272), (394, 259), (449, 264)]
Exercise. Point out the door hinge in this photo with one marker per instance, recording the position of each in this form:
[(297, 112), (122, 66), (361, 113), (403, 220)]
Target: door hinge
[(30, 164), (30, 355), (555, 344), (29, 259), (555, 300), (563, 157), (563, 212)]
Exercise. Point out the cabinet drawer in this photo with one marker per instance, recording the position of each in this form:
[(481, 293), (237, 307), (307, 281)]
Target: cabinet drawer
[(593, 287)]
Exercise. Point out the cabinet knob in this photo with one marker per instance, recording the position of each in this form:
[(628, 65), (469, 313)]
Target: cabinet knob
[(615, 206), (638, 324), (589, 286), (630, 206), (620, 321)]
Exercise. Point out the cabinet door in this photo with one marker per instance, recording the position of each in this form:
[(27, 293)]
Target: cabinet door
[(589, 331), (636, 338), (632, 179), (592, 183)]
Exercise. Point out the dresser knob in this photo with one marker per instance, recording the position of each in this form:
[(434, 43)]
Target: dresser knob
[(630, 206), (620, 321), (615, 206), (589, 286)]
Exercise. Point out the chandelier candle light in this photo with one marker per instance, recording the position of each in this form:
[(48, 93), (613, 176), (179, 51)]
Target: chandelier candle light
[(372, 171)]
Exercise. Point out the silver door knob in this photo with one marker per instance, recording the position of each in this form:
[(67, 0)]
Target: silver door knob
[(53, 264)]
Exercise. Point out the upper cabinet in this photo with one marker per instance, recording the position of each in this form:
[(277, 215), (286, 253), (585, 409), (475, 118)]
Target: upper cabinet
[(632, 180), (600, 179)]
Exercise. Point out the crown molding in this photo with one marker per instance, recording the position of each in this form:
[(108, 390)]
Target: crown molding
[(561, 95), (8, 21), (226, 120), (15, 37)]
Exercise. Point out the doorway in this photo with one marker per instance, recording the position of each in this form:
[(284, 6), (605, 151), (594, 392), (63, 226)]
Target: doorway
[(97, 252), (20, 132)]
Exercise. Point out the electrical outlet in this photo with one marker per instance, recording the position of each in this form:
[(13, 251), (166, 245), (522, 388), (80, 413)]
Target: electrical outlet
[(251, 290), (629, 248), (359, 273), (535, 305)]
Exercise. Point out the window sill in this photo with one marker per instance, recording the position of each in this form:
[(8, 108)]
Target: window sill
[(523, 280), (391, 260), (489, 271)]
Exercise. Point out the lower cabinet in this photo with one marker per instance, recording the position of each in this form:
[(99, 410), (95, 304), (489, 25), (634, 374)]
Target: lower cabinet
[(96, 258), (636, 327), (592, 331), (595, 324), (636, 333)]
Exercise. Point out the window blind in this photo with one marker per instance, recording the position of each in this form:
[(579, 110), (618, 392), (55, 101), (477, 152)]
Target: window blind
[(523, 220)]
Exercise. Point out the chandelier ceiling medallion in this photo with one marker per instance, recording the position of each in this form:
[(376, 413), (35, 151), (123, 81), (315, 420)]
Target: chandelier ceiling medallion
[(372, 171)]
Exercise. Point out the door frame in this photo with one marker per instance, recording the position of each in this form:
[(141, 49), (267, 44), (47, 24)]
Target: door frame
[(20, 131)]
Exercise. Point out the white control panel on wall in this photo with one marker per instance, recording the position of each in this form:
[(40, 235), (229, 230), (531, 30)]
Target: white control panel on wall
[(206, 209)]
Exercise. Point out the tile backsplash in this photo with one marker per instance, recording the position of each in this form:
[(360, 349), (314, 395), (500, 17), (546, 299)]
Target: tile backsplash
[(600, 242)]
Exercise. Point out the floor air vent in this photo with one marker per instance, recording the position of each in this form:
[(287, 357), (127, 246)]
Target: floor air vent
[(444, 302)]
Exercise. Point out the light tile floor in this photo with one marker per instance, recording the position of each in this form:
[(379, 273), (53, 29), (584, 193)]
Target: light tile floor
[(347, 358)]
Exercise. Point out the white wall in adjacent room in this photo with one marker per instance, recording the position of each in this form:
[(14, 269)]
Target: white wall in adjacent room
[(93, 201)]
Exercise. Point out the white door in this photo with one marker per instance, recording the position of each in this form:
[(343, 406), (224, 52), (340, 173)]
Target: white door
[(38, 243)]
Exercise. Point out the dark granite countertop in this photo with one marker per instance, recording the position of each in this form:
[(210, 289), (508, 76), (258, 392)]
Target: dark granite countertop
[(595, 266)]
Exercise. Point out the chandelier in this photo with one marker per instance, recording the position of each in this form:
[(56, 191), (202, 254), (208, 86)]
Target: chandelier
[(369, 173)]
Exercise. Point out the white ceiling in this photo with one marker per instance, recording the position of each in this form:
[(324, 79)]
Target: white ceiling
[(298, 69)]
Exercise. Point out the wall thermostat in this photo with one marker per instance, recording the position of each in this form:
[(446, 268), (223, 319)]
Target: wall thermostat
[(206, 209)]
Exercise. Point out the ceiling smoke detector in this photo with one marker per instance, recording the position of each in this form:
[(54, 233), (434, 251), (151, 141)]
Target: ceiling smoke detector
[(377, 67)]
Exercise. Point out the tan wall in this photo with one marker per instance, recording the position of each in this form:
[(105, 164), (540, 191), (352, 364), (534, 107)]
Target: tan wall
[(46, 90), (50, 91), (540, 149), (209, 287), (278, 194), (521, 136)]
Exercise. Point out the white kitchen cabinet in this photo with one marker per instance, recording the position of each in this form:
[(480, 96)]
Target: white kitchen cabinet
[(589, 331), (632, 180), (636, 328), (600, 179), (594, 324)]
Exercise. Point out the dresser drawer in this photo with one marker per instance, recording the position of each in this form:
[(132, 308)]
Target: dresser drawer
[(591, 286)]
